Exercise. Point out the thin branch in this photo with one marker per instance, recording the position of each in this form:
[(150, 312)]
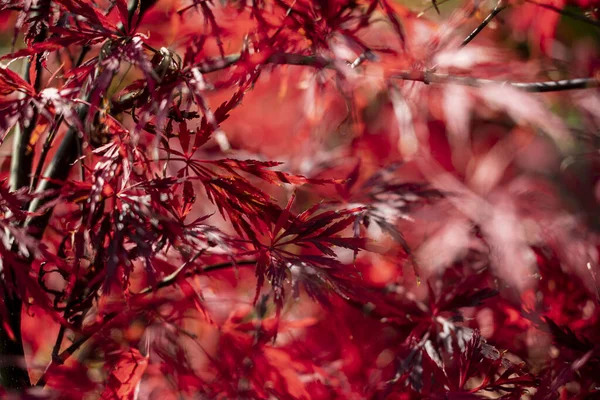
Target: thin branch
[(432, 7), (223, 265), (52, 134), (219, 63), (499, 7), (45, 150), (566, 13), (314, 61), (62, 357), (58, 342), (57, 171), (69, 351), (428, 77), (174, 277)]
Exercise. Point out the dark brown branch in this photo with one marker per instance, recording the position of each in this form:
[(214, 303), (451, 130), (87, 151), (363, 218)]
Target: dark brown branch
[(220, 63), (56, 172), (175, 276), (499, 7), (69, 351), (62, 357), (209, 65), (432, 7), (419, 76), (427, 77), (58, 343), (314, 61), (14, 375)]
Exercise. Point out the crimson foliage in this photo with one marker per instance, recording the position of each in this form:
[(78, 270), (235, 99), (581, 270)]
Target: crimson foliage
[(274, 199)]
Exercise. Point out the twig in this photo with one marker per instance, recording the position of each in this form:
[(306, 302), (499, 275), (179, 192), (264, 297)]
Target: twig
[(428, 77), (566, 13), (62, 357), (58, 342), (499, 7), (69, 351), (45, 149), (57, 171), (52, 134), (432, 7), (174, 277), (219, 63)]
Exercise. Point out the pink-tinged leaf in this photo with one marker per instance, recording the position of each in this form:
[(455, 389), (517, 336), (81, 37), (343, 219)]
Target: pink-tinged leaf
[(527, 109), (458, 106)]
